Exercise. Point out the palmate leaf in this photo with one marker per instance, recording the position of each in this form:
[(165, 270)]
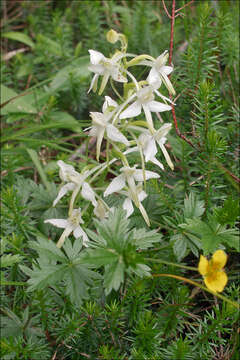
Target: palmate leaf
[(65, 265), (211, 234), (41, 277), (115, 246), (77, 279), (183, 242)]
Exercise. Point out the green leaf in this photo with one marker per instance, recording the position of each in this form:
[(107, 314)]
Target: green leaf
[(9, 260), (48, 249), (144, 239), (34, 156), (52, 46), (180, 245), (211, 234), (77, 69), (115, 246), (19, 36), (77, 280), (53, 267), (18, 104), (100, 257), (193, 208), (31, 129), (41, 277), (140, 270), (229, 213), (114, 276)]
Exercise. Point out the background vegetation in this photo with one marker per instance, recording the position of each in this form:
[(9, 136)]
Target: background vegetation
[(45, 68)]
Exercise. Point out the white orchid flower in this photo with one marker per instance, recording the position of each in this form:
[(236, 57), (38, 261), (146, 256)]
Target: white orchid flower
[(72, 224), (127, 178), (145, 100), (74, 180), (148, 143), (159, 71), (127, 204), (101, 124), (107, 67)]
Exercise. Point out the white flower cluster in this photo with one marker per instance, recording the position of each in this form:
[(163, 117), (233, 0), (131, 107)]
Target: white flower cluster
[(111, 124)]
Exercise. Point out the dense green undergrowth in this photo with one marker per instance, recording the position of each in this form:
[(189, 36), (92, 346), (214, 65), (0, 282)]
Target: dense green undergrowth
[(73, 303)]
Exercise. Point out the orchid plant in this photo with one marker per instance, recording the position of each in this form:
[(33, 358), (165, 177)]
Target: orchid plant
[(115, 125)]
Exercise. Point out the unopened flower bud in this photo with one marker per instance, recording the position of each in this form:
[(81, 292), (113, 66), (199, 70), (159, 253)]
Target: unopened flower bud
[(112, 36)]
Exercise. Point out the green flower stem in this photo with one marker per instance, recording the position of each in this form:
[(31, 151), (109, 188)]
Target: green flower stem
[(134, 80), (170, 263), (224, 298), (115, 90)]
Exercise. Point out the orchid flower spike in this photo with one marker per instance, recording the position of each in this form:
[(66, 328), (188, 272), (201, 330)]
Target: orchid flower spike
[(72, 224)]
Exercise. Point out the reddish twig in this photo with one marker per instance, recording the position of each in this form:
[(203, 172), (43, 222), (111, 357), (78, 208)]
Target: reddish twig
[(166, 10), (190, 2), (170, 62)]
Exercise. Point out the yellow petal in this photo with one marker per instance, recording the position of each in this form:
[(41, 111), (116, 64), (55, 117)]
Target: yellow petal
[(217, 282), (203, 265), (219, 259)]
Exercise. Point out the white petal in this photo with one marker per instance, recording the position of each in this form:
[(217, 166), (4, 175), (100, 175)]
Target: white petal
[(117, 184), (98, 118), (156, 106), (167, 157), (104, 82), (128, 206), (166, 69), (88, 193), (99, 141), (148, 115), (66, 170), (115, 135), (64, 190), (97, 69), (60, 223), (94, 131), (117, 76), (78, 232), (156, 162), (163, 131), (132, 110), (168, 84), (93, 84), (138, 175), (164, 97), (154, 77), (109, 102), (142, 195), (150, 150), (95, 56)]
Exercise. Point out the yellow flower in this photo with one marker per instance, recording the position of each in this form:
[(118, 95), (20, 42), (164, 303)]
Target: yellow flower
[(214, 276)]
